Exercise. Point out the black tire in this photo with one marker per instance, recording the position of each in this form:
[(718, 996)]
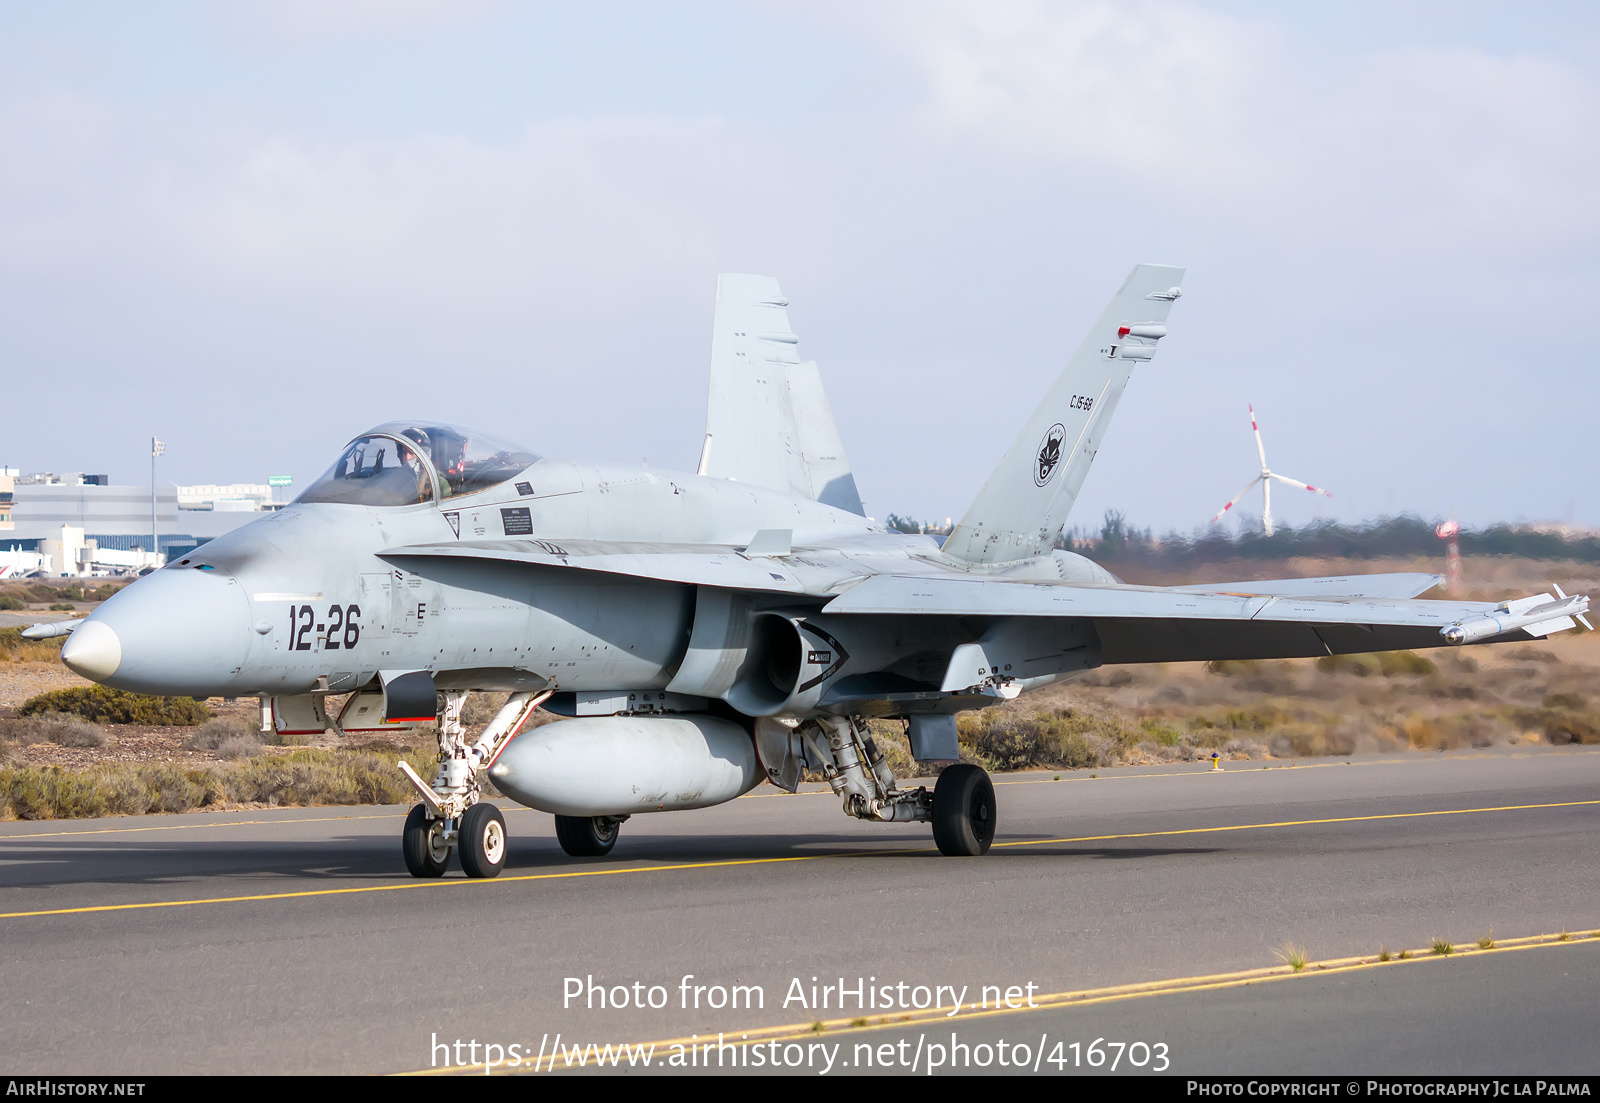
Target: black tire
[(426, 855), (963, 811), (482, 841), (587, 836)]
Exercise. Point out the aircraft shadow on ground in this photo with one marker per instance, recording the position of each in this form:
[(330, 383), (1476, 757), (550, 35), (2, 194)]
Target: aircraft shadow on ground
[(368, 858)]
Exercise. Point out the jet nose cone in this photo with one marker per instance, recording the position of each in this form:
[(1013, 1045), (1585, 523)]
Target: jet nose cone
[(93, 650), (173, 632)]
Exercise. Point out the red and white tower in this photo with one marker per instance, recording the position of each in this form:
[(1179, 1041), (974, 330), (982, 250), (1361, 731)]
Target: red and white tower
[(1451, 531)]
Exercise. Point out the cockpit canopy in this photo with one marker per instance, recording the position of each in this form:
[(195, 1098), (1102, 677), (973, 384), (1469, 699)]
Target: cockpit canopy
[(406, 462)]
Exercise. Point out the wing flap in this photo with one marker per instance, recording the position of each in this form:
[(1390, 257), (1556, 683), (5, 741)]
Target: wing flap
[(1361, 585)]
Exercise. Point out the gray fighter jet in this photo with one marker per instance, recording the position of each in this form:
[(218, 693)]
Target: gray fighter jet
[(705, 632)]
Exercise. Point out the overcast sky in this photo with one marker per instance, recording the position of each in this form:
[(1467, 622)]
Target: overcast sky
[(256, 228)]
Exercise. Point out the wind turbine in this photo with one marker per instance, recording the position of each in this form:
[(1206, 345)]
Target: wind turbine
[(1265, 479)]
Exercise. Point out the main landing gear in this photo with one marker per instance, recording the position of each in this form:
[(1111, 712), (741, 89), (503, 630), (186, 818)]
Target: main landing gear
[(588, 836), (961, 806), (451, 816), (963, 811)]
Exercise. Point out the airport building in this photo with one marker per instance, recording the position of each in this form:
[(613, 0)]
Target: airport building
[(78, 525)]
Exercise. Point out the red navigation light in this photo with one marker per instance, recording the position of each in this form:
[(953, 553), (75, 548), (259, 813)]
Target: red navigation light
[(1122, 331)]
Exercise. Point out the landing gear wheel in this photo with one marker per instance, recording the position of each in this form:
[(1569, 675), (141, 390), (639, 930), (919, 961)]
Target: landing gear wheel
[(963, 811), (483, 841), (587, 836), (427, 854)]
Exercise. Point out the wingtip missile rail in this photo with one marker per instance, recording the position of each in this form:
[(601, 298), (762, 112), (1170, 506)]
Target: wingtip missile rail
[(1539, 615), (51, 630)]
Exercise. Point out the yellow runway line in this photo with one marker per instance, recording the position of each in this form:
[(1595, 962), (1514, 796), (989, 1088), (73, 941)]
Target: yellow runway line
[(1057, 1000), (1302, 823), (724, 863)]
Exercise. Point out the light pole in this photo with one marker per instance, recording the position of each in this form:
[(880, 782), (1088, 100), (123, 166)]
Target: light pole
[(156, 449)]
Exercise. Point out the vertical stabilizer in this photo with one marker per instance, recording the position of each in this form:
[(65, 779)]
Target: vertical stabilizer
[(821, 449), (1020, 511), (768, 421)]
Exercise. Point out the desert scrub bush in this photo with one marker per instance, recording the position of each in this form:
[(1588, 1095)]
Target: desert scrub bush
[(13, 648), (219, 730), (1564, 718), (301, 777), (323, 777), (69, 731), (35, 793), (1160, 733), (237, 747), (66, 731), (1008, 741), (25, 730), (1389, 664), (1304, 740), (7, 602), (1259, 675), (1255, 718), (890, 738), (51, 793), (1004, 739), (480, 709), (114, 706)]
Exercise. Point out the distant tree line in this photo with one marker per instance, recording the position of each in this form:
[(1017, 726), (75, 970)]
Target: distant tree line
[(1399, 537), (1387, 537)]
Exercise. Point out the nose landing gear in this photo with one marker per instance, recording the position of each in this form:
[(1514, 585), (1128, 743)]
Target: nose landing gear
[(450, 815), (483, 841), (424, 845)]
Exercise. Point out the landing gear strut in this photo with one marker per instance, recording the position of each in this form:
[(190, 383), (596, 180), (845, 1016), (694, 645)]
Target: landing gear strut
[(961, 806), (450, 815)]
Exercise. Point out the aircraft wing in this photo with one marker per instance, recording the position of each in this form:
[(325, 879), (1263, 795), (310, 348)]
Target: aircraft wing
[(1359, 585), (696, 564), (1152, 624)]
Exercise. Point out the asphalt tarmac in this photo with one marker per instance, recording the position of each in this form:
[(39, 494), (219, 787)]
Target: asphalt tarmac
[(1147, 907)]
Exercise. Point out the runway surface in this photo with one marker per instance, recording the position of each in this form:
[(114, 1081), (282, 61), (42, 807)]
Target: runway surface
[(292, 940)]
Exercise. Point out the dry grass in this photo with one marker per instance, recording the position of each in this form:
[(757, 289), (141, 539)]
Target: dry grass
[(115, 706), (15, 649), (1295, 957), (64, 731), (301, 777)]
